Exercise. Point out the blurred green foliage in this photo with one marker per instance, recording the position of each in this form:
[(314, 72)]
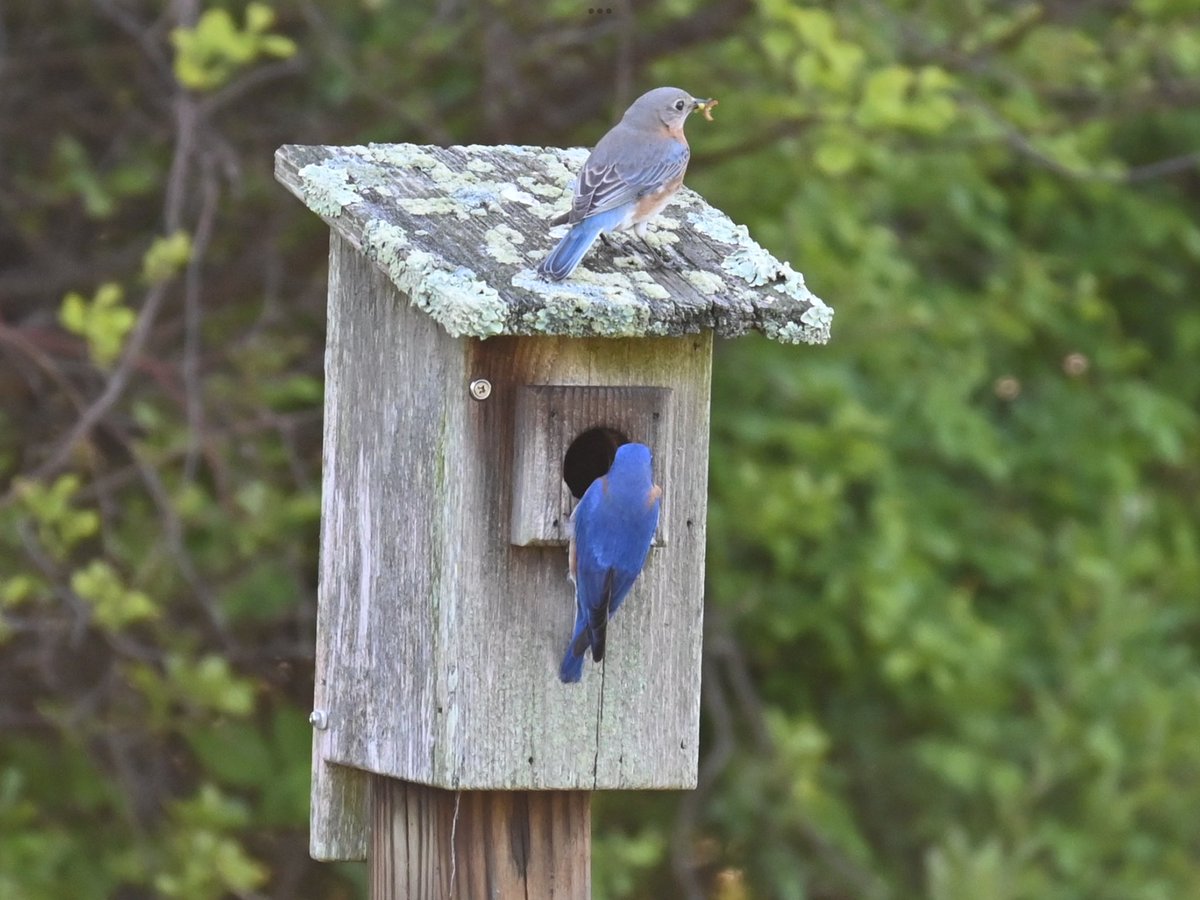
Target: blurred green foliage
[(103, 322), (208, 54), (951, 641)]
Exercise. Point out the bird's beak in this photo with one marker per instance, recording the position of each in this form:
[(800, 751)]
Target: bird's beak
[(704, 106)]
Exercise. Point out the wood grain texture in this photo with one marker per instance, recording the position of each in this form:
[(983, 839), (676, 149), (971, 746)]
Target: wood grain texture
[(377, 513), (461, 229), (433, 844), (337, 829), (548, 419), (438, 641)]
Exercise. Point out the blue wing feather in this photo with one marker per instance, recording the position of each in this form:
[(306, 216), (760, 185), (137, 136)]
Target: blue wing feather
[(610, 179)]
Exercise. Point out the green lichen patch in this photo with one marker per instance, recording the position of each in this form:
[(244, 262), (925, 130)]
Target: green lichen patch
[(810, 330), (648, 286), (327, 188), (627, 262), (429, 206), (501, 243), (753, 265), (543, 188), (599, 304), (705, 282), (715, 224), (455, 298)]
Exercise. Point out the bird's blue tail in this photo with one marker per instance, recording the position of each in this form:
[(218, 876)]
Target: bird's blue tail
[(571, 669), (566, 256)]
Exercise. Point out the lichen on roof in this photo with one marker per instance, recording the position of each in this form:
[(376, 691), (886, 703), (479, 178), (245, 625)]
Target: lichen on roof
[(460, 231)]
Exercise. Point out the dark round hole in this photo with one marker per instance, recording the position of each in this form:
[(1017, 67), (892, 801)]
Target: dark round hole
[(590, 456)]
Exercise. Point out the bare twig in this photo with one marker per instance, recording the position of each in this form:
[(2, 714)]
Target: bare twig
[(174, 536), (193, 389), (248, 81), (113, 390)]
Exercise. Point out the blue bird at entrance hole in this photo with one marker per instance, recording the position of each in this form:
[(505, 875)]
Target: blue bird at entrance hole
[(613, 527)]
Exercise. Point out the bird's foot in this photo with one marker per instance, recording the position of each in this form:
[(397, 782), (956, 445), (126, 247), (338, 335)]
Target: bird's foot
[(664, 259)]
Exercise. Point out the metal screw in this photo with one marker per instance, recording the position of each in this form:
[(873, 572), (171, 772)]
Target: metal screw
[(318, 719), (481, 389)]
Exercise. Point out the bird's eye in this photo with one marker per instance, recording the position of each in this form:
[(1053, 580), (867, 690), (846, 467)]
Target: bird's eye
[(679, 105)]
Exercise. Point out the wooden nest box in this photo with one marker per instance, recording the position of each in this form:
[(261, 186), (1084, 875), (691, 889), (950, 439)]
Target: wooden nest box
[(468, 404)]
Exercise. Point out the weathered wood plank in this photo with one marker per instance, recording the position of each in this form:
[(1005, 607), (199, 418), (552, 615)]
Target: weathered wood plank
[(338, 816), (460, 230), (338, 821), (367, 490), (548, 419), (433, 844)]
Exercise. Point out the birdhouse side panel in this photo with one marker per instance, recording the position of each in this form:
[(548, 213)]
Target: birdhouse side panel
[(383, 532)]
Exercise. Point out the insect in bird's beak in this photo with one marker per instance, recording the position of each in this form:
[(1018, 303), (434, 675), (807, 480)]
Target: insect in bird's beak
[(706, 107)]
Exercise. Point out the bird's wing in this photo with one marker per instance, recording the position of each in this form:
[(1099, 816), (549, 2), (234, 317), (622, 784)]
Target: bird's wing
[(613, 177), (598, 616)]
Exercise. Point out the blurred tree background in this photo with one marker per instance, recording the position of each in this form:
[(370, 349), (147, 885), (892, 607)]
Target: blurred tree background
[(953, 616)]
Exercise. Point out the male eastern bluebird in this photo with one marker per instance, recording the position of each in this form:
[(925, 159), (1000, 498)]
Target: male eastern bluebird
[(629, 177), (613, 526)]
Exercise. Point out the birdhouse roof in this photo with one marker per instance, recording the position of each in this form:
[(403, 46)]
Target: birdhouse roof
[(461, 230)]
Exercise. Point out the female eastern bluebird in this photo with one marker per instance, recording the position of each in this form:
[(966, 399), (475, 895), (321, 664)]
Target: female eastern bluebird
[(614, 525), (629, 176)]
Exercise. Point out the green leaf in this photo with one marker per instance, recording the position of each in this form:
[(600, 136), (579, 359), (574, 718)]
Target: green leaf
[(836, 156), (81, 178), (204, 860), (61, 526), (166, 256), (212, 52), (114, 606), (209, 683), (104, 321), (885, 96)]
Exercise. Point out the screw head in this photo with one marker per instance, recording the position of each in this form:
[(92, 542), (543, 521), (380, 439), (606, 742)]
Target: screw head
[(318, 719), (481, 389)]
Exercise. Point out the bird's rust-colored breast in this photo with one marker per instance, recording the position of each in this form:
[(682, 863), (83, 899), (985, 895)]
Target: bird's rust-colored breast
[(652, 204)]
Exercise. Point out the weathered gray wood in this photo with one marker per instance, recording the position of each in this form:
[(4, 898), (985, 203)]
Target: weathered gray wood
[(548, 419), (432, 844), (338, 820), (460, 230), (438, 640), (338, 815)]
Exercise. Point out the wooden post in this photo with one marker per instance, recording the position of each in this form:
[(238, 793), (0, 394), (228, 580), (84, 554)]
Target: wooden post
[(467, 402), (428, 842)]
